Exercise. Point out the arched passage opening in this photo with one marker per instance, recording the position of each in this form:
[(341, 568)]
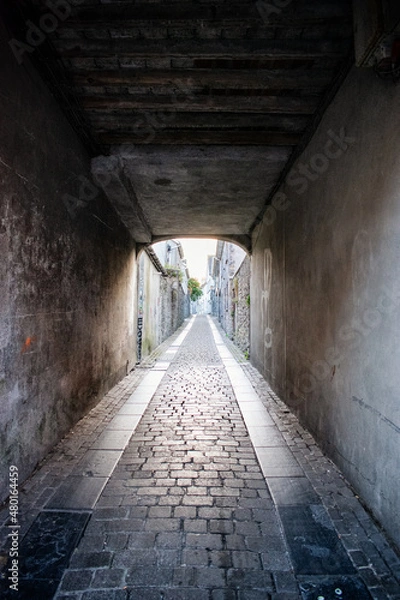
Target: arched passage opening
[(204, 158), (179, 277)]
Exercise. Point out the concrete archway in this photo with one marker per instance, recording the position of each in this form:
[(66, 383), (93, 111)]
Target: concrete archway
[(163, 193), (265, 105)]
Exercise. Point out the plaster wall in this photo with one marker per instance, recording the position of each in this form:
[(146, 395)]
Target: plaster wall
[(163, 305), (173, 305), (151, 302), (231, 305), (67, 272), (231, 259), (325, 291), (241, 335)]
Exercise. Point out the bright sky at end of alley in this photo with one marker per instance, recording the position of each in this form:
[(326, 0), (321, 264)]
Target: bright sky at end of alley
[(196, 252)]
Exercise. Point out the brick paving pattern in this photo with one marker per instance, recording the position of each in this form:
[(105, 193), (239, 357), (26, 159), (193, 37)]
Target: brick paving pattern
[(187, 513)]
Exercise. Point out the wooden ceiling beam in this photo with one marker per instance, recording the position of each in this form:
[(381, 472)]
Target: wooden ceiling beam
[(78, 65), (232, 104), (122, 12), (238, 49), (105, 121), (271, 79), (197, 137)]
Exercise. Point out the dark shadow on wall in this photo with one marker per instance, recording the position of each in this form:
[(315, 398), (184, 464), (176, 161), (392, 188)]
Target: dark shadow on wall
[(67, 303)]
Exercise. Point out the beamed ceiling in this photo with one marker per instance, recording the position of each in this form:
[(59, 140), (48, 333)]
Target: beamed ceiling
[(194, 109)]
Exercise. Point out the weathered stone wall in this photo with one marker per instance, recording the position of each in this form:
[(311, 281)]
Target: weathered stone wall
[(325, 291), (173, 305), (184, 305), (241, 334), (163, 305), (231, 306), (227, 269), (167, 306), (149, 305), (67, 327)]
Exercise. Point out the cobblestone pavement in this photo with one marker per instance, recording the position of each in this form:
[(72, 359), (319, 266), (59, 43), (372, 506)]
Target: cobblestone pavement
[(195, 508)]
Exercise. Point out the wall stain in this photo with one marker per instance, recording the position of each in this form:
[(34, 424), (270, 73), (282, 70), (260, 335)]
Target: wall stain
[(376, 412), (27, 344)]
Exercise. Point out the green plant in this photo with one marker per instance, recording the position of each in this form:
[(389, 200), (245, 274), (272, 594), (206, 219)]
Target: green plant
[(248, 300), (194, 288), (171, 272), (246, 354)]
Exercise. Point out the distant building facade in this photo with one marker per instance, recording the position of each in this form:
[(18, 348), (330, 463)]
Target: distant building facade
[(163, 299), (229, 292)]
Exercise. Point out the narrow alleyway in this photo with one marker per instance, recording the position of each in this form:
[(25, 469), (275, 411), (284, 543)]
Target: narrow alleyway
[(219, 494)]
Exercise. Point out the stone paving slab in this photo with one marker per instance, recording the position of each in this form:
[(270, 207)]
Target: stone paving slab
[(196, 508), (366, 544), (69, 476), (45, 555), (199, 517)]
